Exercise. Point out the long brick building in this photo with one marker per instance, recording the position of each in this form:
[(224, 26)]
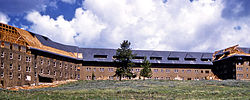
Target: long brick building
[(29, 59)]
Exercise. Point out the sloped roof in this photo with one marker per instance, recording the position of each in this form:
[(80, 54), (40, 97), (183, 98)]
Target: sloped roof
[(88, 55), (47, 42)]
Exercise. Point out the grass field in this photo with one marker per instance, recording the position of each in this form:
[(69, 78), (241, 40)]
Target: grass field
[(137, 89)]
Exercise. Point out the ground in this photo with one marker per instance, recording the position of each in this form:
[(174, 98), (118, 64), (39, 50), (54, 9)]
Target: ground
[(137, 89)]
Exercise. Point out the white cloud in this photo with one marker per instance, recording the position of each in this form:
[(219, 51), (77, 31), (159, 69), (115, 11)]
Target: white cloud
[(148, 24), (4, 18), (69, 1)]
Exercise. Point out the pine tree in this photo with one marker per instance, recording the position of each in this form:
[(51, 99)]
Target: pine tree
[(93, 76), (123, 60), (146, 71)]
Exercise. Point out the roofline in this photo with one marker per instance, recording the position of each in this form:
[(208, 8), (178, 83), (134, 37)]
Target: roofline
[(32, 48), (236, 55)]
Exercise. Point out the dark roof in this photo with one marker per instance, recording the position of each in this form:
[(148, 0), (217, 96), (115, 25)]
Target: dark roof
[(88, 55), (47, 42), (106, 55)]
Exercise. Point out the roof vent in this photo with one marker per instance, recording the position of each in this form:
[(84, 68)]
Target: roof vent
[(101, 56), (155, 58), (173, 58), (138, 57)]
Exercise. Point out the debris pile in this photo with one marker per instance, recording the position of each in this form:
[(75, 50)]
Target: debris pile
[(41, 85)]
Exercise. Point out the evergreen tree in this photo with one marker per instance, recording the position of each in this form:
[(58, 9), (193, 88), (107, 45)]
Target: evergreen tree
[(146, 71), (93, 76), (123, 60)]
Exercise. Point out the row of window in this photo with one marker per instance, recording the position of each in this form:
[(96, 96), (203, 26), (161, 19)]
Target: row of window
[(100, 69), (28, 59), (151, 58), (60, 65), (176, 71), (19, 76), (241, 69), (28, 69), (241, 75), (155, 70)]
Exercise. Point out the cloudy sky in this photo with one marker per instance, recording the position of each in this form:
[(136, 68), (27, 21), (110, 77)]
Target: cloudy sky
[(183, 25)]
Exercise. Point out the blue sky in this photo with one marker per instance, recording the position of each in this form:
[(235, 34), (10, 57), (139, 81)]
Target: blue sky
[(184, 25)]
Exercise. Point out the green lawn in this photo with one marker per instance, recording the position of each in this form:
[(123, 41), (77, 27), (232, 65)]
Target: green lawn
[(137, 89)]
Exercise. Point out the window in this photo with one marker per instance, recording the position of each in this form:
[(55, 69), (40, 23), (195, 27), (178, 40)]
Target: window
[(188, 71), (11, 56), (28, 69), (76, 68), (66, 75), (183, 71), (19, 67), (155, 58), (167, 70), (101, 69), (88, 69), (196, 71), (48, 71), (54, 63), (101, 56), (204, 59), (111, 77), (206, 71), (66, 66), (190, 59), (19, 57), (11, 66), (110, 70), (88, 77), (41, 62), (176, 70), (2, 65), (246, 69), (19, 76), (48, 62), (35, 65), (2, 74), (54, 73), (41, 71), (60, 65), (173, 58), (138, 58), (27, 59), (162, 70), (201, 71), (155, 70), (60, 74), (239, 75), (137, 70), (239, 68), (35, 74), (167, 78), (2, 54), (156, 78), (11, 75), (71, 67), (78, 76)]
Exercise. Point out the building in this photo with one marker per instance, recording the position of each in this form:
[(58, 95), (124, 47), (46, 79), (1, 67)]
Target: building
[(232, 63), (29, 59)]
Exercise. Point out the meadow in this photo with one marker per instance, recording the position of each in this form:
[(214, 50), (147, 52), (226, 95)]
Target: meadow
[(137, 89)]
